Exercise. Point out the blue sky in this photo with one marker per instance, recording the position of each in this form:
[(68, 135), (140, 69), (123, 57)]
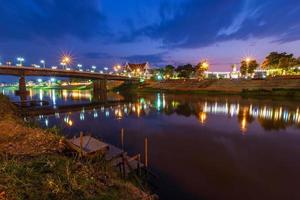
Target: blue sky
[(107, 32)]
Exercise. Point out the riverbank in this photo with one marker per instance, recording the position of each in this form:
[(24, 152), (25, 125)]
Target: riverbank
[(33, 165), (270, 87)]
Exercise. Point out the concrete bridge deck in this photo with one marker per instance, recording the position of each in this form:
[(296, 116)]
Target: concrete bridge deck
[(32, 71), (99, 79)]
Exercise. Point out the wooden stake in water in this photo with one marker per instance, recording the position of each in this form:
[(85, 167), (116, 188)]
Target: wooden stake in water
[(122, 138), (81, 142), (146, 151)]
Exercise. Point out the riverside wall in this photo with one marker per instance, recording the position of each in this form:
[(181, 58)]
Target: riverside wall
[(225, 85)]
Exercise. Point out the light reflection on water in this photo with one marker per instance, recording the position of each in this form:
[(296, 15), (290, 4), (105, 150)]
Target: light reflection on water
[(202, 147)]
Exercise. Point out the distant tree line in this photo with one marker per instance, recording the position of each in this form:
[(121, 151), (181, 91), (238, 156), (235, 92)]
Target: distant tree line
[(280, 61), (183, 71)]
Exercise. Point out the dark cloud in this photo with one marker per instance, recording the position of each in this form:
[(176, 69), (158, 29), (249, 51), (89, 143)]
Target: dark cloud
[(198, 23), (50, 19), (97, 55), (156, 59)]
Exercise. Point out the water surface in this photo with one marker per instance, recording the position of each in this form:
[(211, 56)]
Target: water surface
[(202, 147)]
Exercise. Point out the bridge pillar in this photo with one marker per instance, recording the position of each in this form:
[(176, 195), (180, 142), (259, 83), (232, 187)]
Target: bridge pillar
[(100, 85), (100, 90), (22, 92)]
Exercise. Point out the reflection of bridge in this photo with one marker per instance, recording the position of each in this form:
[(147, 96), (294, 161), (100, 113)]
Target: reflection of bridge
[(99, 80), (68, 108)]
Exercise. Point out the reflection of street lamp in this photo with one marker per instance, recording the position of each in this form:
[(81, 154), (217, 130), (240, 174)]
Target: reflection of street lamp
[(44, 63), (21, 60)]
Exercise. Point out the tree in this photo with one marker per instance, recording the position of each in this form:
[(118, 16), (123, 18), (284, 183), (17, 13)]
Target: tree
[(200, 68), (185, 71), (169, 71), (284, 63), (248, 67), (273, 59)]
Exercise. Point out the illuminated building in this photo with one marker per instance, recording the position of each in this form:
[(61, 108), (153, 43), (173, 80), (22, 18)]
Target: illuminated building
[(138, 69)]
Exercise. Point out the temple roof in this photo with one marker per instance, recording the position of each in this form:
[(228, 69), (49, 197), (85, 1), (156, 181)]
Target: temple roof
[(134, 66)]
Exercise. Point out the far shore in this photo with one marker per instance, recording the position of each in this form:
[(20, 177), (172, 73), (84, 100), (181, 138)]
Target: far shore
[(272, 87)]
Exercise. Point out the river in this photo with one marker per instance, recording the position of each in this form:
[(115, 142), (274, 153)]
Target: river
[(201, 147)]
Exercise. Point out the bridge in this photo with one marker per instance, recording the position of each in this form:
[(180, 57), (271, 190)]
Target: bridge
[(99, 80)]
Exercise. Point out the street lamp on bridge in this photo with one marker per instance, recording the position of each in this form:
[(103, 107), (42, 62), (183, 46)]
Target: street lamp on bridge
[(43, 63), (93, 68), (79, 67), (65, 61), (20, 60)]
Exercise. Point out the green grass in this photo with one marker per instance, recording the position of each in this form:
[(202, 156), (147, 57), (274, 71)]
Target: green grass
[(280, 92), (59, 177)]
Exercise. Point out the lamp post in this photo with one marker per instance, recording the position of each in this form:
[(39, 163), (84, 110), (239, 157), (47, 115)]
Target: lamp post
[(79, 67), (93, 68), (247, 62), (63, 65), (43, 63), (21, 60), (106, 69), (65, 61)]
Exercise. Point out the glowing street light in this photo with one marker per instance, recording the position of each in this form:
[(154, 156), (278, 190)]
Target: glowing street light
[(117, 68), (44, 63), (79, 67), (248, 60), (106, 69), (66, 60), (93, 68), (205, 65), (21, 60)]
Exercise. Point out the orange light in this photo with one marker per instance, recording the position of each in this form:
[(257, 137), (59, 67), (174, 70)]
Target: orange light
[(66, 59)]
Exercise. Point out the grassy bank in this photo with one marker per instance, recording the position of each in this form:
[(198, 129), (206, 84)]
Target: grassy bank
[(274, 92), (144, 88), (34, 165)]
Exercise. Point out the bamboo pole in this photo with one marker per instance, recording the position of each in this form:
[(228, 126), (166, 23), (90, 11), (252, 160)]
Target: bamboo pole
[(81, 142), (146, 152), (139, 164), (122, 138)]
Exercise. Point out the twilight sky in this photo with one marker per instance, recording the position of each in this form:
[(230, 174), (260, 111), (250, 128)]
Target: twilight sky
[(107, 32)]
